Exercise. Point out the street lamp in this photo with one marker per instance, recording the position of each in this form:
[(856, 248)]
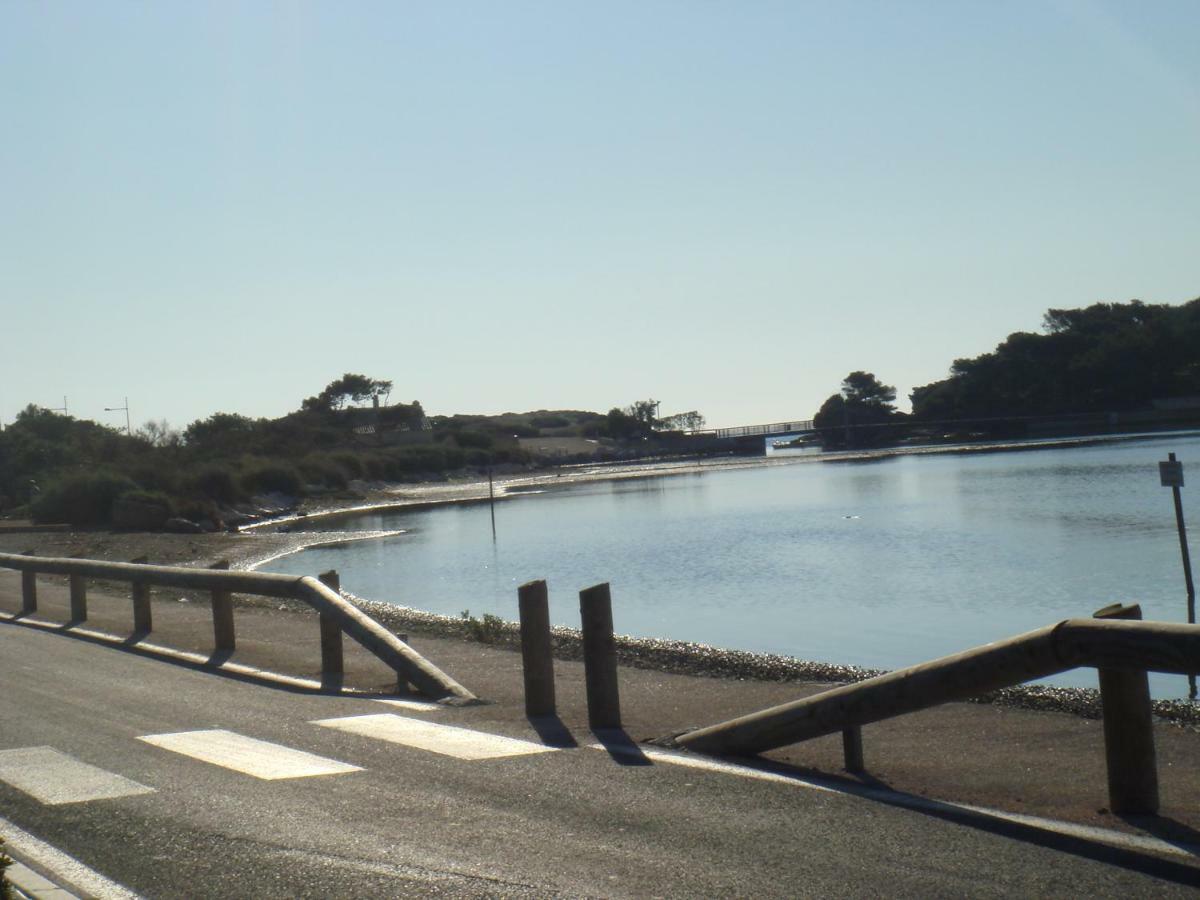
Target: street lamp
[(128, 430)]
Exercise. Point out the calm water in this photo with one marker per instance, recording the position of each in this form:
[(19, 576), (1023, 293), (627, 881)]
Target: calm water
[(879, 564)]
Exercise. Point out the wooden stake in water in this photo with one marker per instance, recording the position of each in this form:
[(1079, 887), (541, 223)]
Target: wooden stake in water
[(492, 502), (1170, 473)]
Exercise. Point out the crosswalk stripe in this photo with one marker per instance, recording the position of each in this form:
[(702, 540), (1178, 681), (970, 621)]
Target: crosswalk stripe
[(461, 743), (249, 756), (53, 778)]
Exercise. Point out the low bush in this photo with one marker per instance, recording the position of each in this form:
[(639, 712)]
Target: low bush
[(273, 479), (142, 510), (351, 464), (216, 483), (81, 499), (321, 471)]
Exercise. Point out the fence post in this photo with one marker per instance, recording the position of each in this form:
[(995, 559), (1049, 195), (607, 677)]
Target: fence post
[(331, 631), (537, 660), (142, 621), (222, 613), (599, 657), (852, 748), (1128, 731), (78, 598), (28, 589)]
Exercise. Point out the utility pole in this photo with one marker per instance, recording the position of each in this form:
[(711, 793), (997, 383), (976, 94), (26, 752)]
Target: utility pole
[(128, 430)]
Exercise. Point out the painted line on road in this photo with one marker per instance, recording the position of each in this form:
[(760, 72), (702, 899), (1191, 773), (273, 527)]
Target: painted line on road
[(1120, 839), (448, 740), (249, 756), (64, 868), (710, 765), (54, 778), (414, 705)]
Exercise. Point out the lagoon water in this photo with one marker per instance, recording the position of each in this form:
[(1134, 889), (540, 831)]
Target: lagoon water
[(880, 564)]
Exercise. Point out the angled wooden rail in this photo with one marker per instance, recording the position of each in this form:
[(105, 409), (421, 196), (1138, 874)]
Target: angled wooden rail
[(1111, 645), (338, 616)]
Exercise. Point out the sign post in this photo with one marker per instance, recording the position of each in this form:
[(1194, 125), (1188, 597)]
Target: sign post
[(1170, 474)]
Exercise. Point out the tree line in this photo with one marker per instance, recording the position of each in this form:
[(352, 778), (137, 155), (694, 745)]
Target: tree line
[(1109, 358)]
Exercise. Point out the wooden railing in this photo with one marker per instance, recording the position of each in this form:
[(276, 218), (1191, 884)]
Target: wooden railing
[(1123, 651), (337, 615)]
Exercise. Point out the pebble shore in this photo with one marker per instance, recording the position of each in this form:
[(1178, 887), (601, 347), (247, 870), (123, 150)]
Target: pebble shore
[(686, 658)]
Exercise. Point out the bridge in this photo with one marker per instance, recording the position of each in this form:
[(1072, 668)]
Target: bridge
[(741, 431)]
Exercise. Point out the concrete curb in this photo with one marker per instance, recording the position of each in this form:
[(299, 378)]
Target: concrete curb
[(27, 883)]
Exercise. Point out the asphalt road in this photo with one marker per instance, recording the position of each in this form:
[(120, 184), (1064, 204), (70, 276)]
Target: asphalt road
[(578, 821)]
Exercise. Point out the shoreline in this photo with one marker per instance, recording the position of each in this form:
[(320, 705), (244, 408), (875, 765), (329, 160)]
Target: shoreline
[(261, 543)]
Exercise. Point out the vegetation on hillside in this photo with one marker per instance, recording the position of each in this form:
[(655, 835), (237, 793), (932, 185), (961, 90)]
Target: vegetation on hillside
[(1105, 366), (57, 468)]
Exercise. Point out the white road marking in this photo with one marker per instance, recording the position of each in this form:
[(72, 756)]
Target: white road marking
[(63, 867), (710, 765), (55, 778), (414, 705), (250, 756), (462, 743), (1141, 843)]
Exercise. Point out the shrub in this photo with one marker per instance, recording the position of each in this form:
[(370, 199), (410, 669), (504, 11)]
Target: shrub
[(157, 476), (351, 464), (550, 421), (487, 630), (479, 440), (273, 479), (81, 499), (477, 457), (320, 470), (142, 510), (199, 510), (217, 484)]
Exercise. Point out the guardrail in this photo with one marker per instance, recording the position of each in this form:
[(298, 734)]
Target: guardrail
[(1123, 652), (337, 615)]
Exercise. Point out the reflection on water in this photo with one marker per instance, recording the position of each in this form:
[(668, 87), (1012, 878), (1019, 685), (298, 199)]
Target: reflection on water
[(881, 565)]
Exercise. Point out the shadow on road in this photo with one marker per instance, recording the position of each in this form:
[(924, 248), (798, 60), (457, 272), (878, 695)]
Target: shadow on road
[(1020, 828), (553, 732), (621, 747)]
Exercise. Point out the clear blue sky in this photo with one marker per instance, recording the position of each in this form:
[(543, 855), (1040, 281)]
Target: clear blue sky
[(507, 206)]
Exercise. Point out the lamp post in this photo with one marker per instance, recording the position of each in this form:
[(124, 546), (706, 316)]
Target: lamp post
[(128, 430)]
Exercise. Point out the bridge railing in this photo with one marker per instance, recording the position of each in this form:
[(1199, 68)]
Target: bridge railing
[(337, 615), (1123, 652), (757, 430)]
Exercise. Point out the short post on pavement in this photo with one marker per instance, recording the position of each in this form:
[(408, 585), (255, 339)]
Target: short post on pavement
[(1170, 474), (599, 657), (1128, 731), (331, 631), (28, 589), (222, 613), (79, 610), (139, 591), (537, 660), (852, 749)]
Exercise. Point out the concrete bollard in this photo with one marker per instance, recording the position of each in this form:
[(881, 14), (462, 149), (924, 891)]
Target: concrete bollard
[(143, 622), (537, 659), (222, 613), (331, 631), (28, 589), (599, 657), (1128, 730)]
